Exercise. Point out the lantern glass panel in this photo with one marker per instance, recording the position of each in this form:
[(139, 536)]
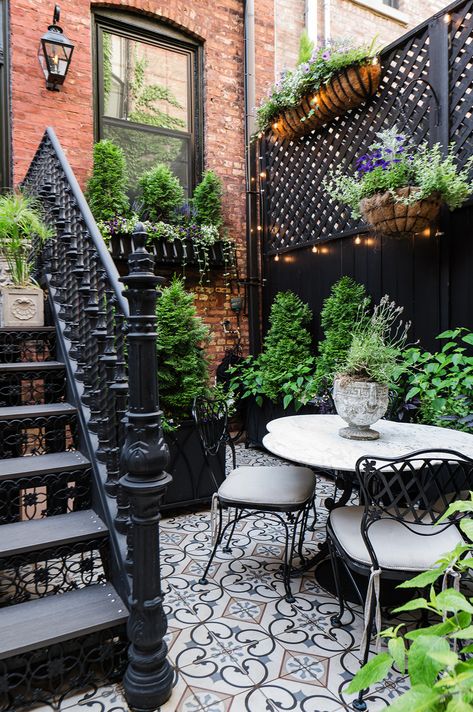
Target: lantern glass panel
[(58, 56)]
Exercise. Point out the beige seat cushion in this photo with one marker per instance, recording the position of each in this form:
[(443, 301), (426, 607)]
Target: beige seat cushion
[(396, 546), (272, 486)]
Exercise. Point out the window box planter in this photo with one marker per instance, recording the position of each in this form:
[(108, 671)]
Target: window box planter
[(349, 88), (257, 418), (168, 252), (21, 306), (388, 217), (192, 483)]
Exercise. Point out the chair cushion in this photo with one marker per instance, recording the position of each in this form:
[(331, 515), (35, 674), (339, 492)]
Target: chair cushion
[(396, 546), (275, 486)]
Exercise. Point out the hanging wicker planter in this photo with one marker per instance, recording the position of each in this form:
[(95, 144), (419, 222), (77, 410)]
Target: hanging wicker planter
[(348, 88), (388, 217)]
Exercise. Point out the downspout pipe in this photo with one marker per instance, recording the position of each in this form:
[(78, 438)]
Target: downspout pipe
[(252, 252), (327, 21)]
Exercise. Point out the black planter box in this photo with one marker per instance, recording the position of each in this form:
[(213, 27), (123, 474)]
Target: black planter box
[(192, 484), (166, 252), (257, 417)]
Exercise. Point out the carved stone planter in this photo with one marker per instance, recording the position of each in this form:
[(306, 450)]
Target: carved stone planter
[(349, 88), (21, 307), (388, 217), (360, 404)]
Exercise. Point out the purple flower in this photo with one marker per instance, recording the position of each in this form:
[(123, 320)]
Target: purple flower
[(326, 55)]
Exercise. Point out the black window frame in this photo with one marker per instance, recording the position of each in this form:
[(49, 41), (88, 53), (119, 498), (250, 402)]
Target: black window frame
[(5, 123), (160, 34)]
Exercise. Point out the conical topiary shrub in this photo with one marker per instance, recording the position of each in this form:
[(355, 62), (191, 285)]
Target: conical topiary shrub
[(105, 190)]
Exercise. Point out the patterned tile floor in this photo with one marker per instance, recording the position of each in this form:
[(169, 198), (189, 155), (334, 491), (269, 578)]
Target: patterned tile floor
[(236, 644)]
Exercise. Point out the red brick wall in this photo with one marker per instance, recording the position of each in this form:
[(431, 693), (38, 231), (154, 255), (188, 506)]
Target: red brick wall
[(70, 111)]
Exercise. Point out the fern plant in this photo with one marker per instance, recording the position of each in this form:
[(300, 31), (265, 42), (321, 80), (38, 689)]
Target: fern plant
[(106, 188)]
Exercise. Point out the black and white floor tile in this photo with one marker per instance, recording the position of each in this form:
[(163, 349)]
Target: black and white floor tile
[(235, 643)]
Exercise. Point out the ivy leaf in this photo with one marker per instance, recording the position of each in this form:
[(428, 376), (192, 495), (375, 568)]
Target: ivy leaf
[(466, 525), (446, 658), (423, 579), (468, 339), (413, 605), (375, 670), (420, 698), (466, 633), (457, 705), (397, 650), (443, 628), (454, 601), (286, 400), (423, 668)]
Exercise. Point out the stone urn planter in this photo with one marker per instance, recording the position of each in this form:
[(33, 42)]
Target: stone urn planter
[(349, 88), (21, 306), (360, 404), (388, 217)]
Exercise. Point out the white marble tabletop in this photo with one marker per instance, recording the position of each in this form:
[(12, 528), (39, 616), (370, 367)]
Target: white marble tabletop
[(314, 440)]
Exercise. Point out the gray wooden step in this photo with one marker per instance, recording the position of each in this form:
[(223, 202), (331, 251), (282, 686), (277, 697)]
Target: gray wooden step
[(16, 467), (36, 534), (54, 619), (25, 366), (17, 412)]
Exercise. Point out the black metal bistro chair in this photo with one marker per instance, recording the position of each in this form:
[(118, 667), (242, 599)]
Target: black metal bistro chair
[(285, 491), (394, 534)]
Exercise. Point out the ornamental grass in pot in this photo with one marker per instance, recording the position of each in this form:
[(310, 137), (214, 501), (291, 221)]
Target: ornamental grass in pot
[(372, 366), (22, 300), (398, 188), (327, 82)]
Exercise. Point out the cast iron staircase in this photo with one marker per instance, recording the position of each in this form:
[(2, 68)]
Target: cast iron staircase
[(62, 622)]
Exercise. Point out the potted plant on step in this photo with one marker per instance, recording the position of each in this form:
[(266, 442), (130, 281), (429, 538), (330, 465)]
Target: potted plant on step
[(22, 300), (398, 188), (327, 82), (373, 364)]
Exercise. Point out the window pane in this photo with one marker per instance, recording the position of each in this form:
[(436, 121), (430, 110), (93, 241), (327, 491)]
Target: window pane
[(144, 149), (145, 83)]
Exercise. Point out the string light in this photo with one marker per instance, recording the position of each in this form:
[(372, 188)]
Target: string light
[(315, 249), (259, 228), (358, 240), (260, 135), (276, 257), (275, 125), (263, 174), (426, 232), (446, 18), (375, 60)]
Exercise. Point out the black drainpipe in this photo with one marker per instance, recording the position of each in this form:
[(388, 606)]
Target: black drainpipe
[(252, 237)]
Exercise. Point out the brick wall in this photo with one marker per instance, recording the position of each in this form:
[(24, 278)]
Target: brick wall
[(70, 111), (348, 19)]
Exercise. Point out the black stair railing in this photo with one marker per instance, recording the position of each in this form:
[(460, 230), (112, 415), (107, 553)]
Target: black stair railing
[(98, 335)]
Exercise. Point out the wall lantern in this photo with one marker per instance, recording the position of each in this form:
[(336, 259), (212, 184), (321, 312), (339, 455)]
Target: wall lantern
[(55, 52)]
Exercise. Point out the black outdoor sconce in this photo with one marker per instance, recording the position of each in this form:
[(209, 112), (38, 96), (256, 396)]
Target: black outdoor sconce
[(55, 52)]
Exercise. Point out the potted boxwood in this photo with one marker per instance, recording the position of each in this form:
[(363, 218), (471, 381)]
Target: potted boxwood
[(374, 362), (326, 84), (21, 297), (183, 373), (397, 187), (280, 381)]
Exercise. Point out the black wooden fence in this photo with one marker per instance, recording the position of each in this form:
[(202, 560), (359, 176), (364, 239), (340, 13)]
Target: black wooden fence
[(309, 241)]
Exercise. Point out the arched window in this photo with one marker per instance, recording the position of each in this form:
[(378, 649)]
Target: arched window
[(148, 95)]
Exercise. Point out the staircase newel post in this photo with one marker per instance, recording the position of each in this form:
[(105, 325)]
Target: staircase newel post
[(149, 676)]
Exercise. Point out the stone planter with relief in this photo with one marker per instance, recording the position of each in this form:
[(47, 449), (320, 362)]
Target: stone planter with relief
[(360, 404), (21, 306)]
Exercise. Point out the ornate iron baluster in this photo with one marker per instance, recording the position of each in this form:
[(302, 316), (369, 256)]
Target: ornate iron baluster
[(148, 678)]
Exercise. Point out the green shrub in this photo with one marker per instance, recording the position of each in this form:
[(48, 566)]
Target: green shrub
[(207, 200), (443, 381), (162, 194), (338, 316), (283, 372), (306, 48), (182, 364), (105, 191)]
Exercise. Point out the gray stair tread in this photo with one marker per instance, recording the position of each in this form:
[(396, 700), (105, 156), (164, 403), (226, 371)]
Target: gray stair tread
[(27, 329), (53, 619), (30, 366), (34, 411), (42, 464), (21, 537)]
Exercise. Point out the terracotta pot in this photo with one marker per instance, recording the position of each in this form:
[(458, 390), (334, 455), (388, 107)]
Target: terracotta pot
[(360, 404), (387, 217), (348, 88)]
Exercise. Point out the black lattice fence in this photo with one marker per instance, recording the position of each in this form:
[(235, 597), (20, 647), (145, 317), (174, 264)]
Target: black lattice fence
[(309, 241)]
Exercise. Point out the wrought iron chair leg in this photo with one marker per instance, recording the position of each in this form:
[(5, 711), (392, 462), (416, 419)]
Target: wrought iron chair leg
[(336, 620), (302, 531), (227, 548), (359, 704), (314, 521), (218, 539), (288, 556)]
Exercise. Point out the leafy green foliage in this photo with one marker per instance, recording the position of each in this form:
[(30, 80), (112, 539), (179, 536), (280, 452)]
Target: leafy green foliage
[(105, 191), (377, 344), (441, 676), (443, 381), (146, 100), (162, 194), (306, 48), (310, 75), (393, 162), (338, 316), (182, 364), (207, 200), (283, 372), (20, 220)]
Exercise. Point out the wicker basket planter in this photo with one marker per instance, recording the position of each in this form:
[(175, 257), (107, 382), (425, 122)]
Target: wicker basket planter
[(347, 89), (387, 217)]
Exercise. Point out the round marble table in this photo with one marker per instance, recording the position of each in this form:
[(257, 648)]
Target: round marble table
[(314, 440)]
